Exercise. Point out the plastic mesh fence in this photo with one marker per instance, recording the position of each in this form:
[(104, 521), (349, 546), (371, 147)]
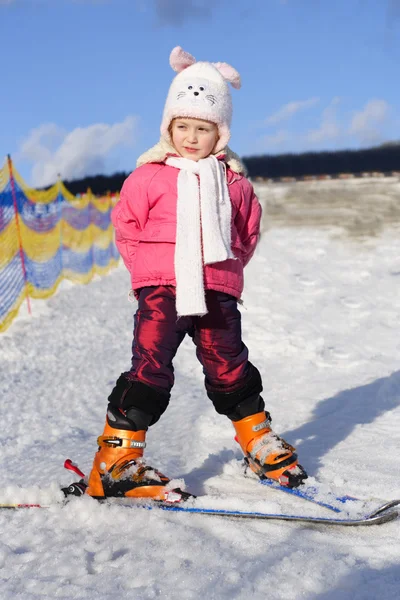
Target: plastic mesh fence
[(48, 236)]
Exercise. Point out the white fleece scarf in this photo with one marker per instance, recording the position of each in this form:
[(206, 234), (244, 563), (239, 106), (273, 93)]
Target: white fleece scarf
[(203, 233)]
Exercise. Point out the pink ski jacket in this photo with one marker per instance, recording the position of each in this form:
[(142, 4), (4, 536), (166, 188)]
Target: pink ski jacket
[(145, 224)]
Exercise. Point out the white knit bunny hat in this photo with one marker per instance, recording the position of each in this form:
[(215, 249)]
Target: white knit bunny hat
[(200, 90)]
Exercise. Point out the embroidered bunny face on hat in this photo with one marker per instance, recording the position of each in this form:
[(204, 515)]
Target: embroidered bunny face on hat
[(200, 91)]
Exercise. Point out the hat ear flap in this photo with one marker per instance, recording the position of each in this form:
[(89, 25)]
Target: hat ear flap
[(180, 60), (229, 73)]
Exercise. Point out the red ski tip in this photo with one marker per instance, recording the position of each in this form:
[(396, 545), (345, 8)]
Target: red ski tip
[(70, 466)]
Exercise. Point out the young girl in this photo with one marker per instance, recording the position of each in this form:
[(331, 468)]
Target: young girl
[(187, 223)]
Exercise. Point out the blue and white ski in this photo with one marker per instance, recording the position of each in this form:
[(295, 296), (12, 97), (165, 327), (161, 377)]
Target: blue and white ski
[(313, 493), (379, 516), (316, 495)]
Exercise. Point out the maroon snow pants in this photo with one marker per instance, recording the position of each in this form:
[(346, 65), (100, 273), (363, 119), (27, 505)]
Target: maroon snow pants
[(158, 332), (232, 383)]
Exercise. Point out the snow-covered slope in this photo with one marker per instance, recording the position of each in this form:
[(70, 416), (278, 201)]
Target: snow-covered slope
[(322, 321)]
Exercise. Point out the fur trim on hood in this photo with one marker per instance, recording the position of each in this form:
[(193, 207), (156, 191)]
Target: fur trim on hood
[(159, 152)]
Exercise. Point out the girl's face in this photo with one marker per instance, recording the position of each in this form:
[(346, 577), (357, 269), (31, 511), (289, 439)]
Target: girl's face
[(194, 138)]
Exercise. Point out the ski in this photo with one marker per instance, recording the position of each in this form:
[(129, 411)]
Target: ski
[(376, 518), (328, 499), (315, 494), (379, 516), (311, 493)]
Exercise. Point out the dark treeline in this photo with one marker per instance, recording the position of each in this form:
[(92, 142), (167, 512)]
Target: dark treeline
[(383, 159), (99, 184)]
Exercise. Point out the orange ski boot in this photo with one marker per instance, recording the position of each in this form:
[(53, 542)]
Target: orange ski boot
[(118, 468), (268, 455)]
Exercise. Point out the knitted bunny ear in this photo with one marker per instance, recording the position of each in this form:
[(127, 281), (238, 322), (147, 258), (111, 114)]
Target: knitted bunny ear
[(229, 73), (180, 60)]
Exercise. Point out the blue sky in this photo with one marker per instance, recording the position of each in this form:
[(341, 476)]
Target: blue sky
[(83, 82)]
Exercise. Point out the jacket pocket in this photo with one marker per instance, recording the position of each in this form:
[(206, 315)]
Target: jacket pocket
[(158, 232)]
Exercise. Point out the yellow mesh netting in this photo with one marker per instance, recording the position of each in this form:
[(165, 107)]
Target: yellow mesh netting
[(47, 236)]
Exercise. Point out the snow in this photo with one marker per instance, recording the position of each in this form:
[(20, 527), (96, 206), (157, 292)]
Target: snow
[(321, 317)]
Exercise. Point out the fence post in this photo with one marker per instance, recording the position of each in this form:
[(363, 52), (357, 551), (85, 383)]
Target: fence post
[(60, 211), (21, 251), (91, 230)]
